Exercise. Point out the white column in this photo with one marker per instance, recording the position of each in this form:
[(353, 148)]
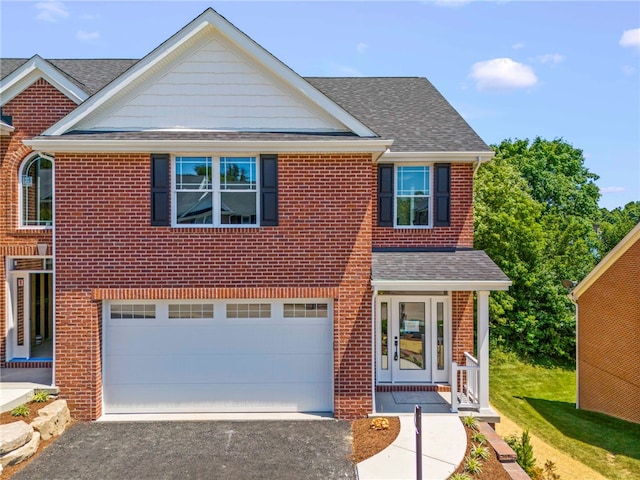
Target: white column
[(483, 348)]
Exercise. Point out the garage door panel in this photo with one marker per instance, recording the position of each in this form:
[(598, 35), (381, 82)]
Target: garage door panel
[(283, 397), (221, 338), (217, 365), (162, 369)]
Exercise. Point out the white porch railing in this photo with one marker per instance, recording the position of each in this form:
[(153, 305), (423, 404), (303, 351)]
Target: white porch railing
[(465, 380)]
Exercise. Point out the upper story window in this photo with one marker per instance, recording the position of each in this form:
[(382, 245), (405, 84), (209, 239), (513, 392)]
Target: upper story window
[(412, 196), (216, 191), (36, 192)]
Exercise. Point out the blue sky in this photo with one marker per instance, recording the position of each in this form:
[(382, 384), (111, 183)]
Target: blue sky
[(513, 69)]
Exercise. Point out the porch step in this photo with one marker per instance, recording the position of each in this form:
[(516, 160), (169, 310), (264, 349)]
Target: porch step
[(13, 394)]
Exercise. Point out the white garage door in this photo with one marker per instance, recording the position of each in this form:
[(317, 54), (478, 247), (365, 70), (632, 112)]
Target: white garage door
[(240, 356)]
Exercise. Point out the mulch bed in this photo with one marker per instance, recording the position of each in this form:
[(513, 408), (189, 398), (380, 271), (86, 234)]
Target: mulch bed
[(367, 441), (491, 468), (6, 417)]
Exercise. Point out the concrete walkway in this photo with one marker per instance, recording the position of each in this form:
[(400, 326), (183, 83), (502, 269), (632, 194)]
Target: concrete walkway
[(18, 384), (444, 443)]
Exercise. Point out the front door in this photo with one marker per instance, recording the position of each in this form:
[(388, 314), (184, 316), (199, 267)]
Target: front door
[(412, 339), (30, 326)]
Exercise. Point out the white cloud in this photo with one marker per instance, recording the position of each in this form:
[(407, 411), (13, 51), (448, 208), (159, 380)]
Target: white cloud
[(628, 70), (612, 190), (631, 38), (361, 47), (451, 3), (87, 36), (554, 58), (502, 74), (51, 11), (517, 46)]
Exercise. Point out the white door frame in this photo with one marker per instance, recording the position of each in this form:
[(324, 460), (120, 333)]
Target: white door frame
[(15, 350), (387, 369)]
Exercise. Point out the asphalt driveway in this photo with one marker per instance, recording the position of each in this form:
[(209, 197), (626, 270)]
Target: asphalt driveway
[(197, 450)]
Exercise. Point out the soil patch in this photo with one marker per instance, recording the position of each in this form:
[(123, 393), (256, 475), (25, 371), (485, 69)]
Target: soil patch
[(368, 441), (492, 469)]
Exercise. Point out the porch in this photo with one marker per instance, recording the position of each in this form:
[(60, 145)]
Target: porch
[(427, 306)]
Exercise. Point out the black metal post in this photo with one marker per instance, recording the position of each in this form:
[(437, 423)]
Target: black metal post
[(417, 420)]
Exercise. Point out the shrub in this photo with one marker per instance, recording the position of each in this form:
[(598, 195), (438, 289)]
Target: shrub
[(40, 396), (478, 438), (380, 423), (524, 451), (20, 411), (473, 466), (478, 451), (470, 421)]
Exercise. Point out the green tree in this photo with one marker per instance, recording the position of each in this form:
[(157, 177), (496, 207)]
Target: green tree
[(535, 210), (615, 224)]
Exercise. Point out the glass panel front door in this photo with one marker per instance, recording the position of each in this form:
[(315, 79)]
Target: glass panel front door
[(412, 339)]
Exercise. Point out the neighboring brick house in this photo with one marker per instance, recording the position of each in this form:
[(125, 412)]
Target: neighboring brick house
[(608, 333), (221, 234)]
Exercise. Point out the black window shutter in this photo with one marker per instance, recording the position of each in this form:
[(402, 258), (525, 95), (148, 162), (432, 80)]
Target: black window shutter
[(269, 190), (442, 205), (385, 195), (160, 190)]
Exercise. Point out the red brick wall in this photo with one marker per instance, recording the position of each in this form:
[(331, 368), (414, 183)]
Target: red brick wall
[(459, 234), (104, 241), (609, 340), (33, 111), (462, 325)]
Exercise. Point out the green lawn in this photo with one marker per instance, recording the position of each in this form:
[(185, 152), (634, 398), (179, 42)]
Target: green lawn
[(543, 400)]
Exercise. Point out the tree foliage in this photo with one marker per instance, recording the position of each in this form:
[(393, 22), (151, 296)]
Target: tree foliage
[(536, 205)]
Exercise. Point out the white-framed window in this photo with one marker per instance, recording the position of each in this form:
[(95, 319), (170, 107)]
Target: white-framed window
[(215, 191), (412, 196), (36, 192)]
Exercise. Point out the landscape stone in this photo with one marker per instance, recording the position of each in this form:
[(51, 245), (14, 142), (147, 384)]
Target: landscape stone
[(52, 419), (14, 435), (22, 453)]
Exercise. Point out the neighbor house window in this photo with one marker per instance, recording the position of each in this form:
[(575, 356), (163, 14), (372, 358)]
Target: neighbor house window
[(412, 195), (36, 192), (216, 191)]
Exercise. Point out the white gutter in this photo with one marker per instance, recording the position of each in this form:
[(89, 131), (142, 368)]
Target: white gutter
[(437, 285), (458, 157), (200, 146)]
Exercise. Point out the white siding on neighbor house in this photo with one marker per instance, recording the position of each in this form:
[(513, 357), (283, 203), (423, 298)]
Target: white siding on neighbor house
[(212, 87), (220, 364)]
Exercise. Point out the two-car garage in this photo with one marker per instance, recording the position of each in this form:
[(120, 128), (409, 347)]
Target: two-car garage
[(218, 356)]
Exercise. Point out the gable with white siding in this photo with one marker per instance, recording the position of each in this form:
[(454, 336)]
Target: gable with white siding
[(210, 84)]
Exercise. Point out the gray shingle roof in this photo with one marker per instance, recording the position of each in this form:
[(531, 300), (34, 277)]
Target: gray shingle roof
[(88, 74), (408, 110), (466, 265)]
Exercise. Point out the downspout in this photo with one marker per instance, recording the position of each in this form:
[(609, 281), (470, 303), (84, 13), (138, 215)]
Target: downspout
[(380, 155), (476, 165), (574, 300), (373, 347)]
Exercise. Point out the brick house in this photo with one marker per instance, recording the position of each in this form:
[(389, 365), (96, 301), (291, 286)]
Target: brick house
[(608, 333), (329, 257)]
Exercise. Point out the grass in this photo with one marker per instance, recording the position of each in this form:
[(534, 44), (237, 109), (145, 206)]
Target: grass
[(542, 399)]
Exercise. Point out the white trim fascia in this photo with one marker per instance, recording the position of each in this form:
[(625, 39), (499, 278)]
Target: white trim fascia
[(210, 18), (206, 146), (458, 157), (438, 285), (620, 249), (5, 128), (33, 70)]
